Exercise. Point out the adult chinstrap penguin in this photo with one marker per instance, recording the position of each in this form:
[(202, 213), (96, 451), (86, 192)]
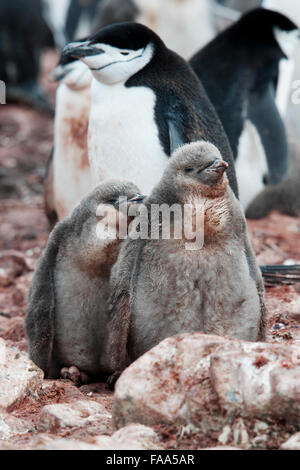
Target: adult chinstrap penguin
[(146, 102), (239, 71), (71, 173)]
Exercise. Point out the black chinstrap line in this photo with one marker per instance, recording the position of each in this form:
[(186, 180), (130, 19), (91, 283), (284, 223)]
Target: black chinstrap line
[(117, 62)]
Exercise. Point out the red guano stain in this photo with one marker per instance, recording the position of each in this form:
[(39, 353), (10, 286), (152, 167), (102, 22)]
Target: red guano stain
[(260, 361)]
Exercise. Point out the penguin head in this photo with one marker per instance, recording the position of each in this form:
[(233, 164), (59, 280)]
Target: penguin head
[(116, 52), (268, 27), (197, 168), (72, 72), (97, 219)]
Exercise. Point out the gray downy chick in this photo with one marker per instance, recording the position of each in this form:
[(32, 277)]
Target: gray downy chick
[(160, 289), (66, 319)]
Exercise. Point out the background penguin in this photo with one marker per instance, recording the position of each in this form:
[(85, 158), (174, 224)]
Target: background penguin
[(23, 34), (239, 71), (66, 317), (79, 18), (71, 170), (183, 25), (284, 197), (146, 101), (160, 288)]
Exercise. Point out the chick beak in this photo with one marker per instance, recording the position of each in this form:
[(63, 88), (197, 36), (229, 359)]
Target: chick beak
[(220, 166), (137, 199)]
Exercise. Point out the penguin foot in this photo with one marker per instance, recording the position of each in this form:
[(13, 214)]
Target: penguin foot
[(74, 374), (112, 379)]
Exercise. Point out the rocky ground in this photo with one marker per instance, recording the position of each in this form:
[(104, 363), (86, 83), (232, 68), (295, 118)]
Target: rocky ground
[(40, 414)]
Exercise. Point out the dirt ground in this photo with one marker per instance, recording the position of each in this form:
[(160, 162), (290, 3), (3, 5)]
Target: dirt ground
[(26, 138)]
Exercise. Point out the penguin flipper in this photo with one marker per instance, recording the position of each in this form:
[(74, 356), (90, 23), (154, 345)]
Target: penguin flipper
[(49, 202), (175, 138), (40, 313), (264, 115), (119, 306), (281, 274)]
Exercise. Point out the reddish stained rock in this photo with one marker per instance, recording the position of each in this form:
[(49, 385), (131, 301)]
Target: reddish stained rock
[(215, 380), (293, 443), (19, 377), (11, 426), (177, 391), (78, 414), (132, 437)]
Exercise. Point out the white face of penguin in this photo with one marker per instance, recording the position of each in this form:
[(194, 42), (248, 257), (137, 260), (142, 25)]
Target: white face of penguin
[(287, 40), (114, 65), (75, 75)]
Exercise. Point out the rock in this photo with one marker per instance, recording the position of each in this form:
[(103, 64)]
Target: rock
[(131, 437), (78, 414), (12, 329), (207, 381), (11, 426), (5, 279), (240, 434), (12, 265), (170, 384), (19, 377), (45, 442), (221, 448), (225, 435), (293, 443)]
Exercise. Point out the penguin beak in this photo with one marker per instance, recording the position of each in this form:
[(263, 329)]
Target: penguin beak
[(79, 50), (137, 199), (219, 166)]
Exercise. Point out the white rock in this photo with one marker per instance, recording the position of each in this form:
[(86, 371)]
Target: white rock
[(240, 434), (207, 380), (44, 442), (221, 448), (293, 443), (11, 426), (225, 435), (19, 377), (131, 437), (78, 414)]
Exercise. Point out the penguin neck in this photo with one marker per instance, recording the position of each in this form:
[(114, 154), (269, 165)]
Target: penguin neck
[(98, 87), (216, 209)]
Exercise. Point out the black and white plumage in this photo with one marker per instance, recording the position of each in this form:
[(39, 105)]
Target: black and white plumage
[(71, 167), (146, 101), (239, 71)]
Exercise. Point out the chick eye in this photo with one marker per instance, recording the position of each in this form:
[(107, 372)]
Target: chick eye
[(124, 53), (188, 170), (111, 201)]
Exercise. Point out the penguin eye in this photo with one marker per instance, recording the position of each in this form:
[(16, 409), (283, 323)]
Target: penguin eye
[(188, 170), (112, 201), (124, 53)]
